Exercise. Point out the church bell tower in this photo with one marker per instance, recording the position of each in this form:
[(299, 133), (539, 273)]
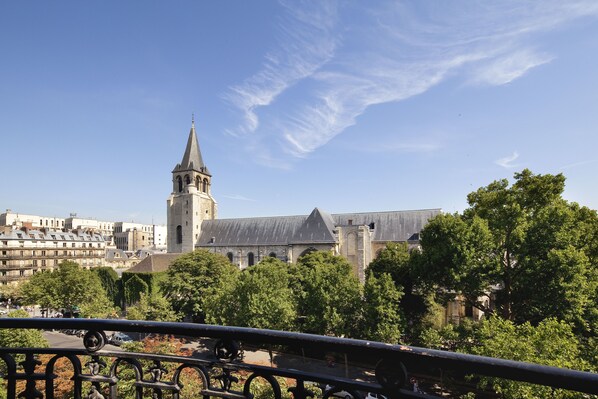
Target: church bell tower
[(191, 201)]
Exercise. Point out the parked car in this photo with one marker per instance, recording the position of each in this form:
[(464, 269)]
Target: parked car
[(118, 338), (339, 394)]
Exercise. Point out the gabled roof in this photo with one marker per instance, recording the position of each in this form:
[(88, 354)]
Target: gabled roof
[(192, 159), (317, 228), (154, 263)]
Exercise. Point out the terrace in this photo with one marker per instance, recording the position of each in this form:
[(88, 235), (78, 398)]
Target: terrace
[(361, 368)]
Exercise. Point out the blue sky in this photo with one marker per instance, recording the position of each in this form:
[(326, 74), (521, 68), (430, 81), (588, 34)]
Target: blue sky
[(349, 106)]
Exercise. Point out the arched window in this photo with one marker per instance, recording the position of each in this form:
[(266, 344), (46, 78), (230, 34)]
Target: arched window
[(351, 244), (230, 257), (250, 259), (187, 180), (272, 255), (179, 183), (205, 186), (198, 182), (179, 234)]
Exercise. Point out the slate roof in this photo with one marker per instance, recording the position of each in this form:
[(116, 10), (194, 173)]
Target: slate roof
[(111, 254), (192, 159), (390, 226), (154, 263), (316, 228)]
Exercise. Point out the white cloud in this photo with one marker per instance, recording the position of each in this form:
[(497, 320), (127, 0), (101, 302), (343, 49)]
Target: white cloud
[(331, 68), (507, 162), (509, 67)]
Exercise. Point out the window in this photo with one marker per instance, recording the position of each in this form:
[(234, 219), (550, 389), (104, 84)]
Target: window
[(179, 183), (205, 185), (250, 259), (187, 180), (230, 257), (179, 234), (272, 255)]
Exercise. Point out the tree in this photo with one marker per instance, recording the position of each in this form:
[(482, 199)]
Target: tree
[(381, 316), (192, 278), (331, 294), (154, 307), (511, 238), (550, 343), (69, 287), (21, 337), (259, 297)]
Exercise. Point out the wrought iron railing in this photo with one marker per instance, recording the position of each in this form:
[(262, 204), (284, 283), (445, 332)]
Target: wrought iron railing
[(360, 368)]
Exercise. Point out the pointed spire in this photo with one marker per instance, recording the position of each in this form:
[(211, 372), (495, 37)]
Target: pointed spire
[(192, 158)]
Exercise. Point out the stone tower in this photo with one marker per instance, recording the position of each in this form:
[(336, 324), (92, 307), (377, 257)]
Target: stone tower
[(191, 201)]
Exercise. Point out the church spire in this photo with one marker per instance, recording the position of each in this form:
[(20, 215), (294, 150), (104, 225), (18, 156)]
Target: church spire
[(192, 159)]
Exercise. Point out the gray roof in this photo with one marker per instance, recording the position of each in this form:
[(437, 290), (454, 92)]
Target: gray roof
[(50, 235), (316, 228), (111, 254), (192, 159), (392, 225)]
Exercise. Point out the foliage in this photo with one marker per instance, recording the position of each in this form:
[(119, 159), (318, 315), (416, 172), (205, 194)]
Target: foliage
[(331, 294), (69, 287), (134, 289), (259, 297), (551, 343), (131, 292), (109, 279), (21, 337), (193, 277), (509, 239), (154, 307), (381, 318)]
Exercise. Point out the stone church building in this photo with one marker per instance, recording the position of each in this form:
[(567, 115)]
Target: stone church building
[(193, 223)]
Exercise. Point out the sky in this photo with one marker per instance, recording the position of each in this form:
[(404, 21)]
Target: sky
[(348, 106)]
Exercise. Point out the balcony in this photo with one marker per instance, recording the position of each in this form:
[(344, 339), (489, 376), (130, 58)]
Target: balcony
[(226, 369)]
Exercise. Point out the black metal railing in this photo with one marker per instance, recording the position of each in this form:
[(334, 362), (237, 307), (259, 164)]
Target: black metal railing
[(226, 370)]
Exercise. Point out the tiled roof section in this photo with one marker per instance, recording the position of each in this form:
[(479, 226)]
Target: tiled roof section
[(154, 263), (317, 228), (192, 159), (250, 231), (390, 226)]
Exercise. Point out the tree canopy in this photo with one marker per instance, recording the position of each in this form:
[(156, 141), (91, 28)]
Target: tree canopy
[(192, 278), (69, 287)]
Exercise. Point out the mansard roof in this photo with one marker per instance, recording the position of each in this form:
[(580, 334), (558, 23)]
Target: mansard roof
[(317, 228), (192, 159)]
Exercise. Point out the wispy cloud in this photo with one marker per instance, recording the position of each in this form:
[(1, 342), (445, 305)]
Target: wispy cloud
[(305, 44), (507, 162), (581, 163), (239, 197), (333, 63)]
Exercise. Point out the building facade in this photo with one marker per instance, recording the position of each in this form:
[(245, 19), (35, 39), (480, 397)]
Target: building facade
[(192, 223), (25, 251)]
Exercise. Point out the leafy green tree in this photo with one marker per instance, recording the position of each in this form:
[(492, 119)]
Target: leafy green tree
[(69, 287), (331, 294), (21, 337), (192, 278), (511, 238), (381, 317), (152, 307), (550, 343), (259, 297)]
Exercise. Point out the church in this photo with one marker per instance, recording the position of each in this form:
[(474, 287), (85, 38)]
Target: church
[(193, 224)]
